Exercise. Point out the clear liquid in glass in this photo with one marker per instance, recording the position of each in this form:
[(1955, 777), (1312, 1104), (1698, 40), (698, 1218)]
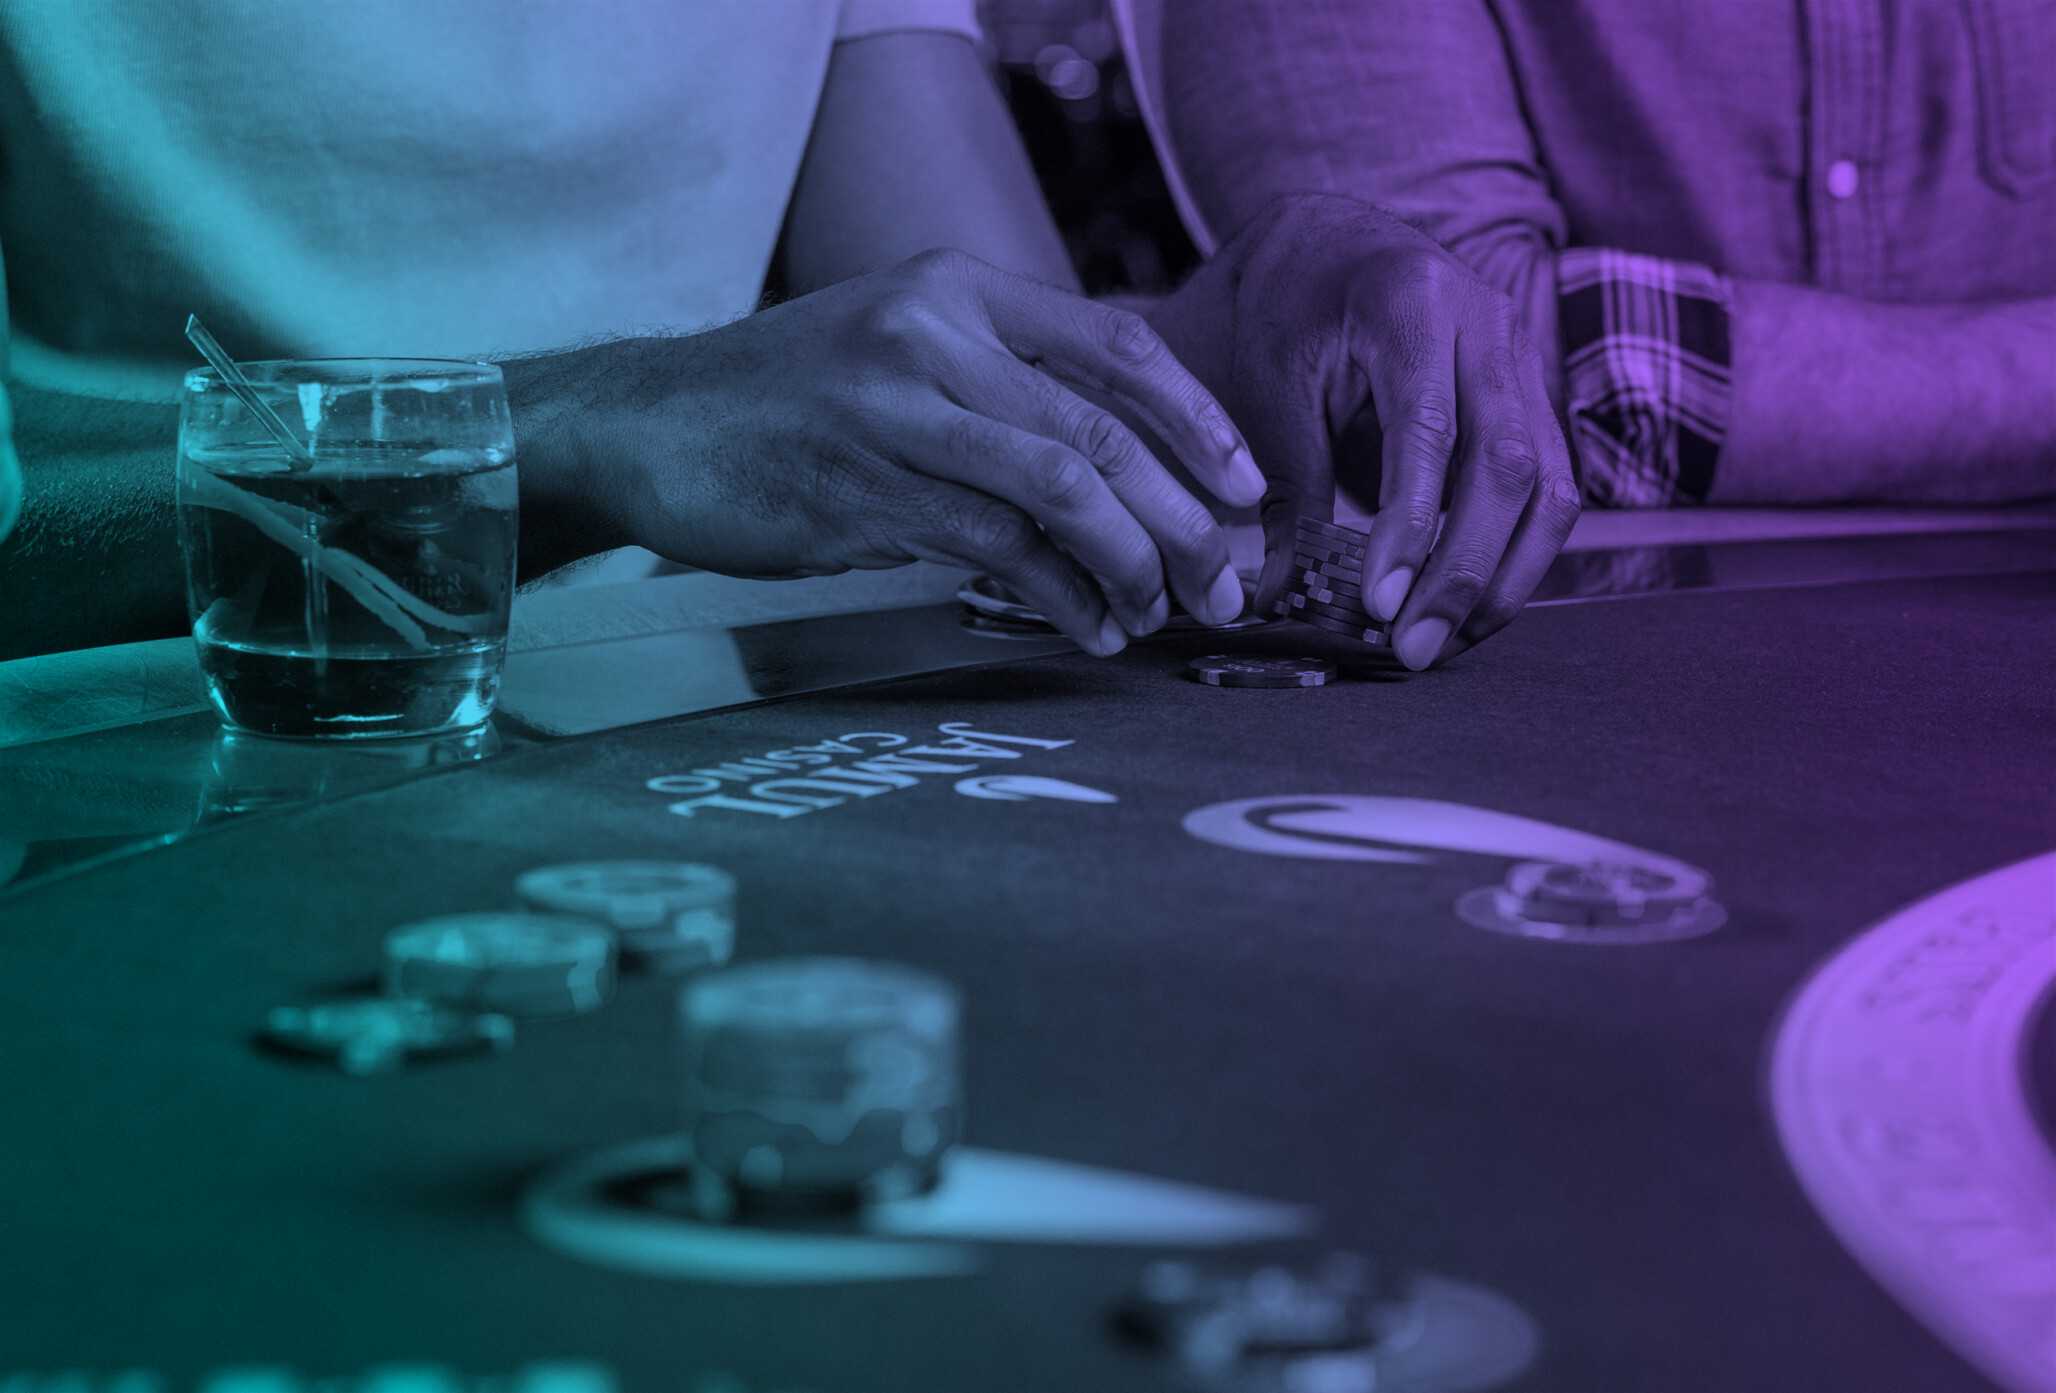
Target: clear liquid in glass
[(367, 596)]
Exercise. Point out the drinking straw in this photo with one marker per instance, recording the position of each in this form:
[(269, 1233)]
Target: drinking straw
[(297, 455)]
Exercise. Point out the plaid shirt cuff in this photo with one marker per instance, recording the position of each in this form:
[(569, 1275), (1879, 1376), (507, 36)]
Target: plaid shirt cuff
[(1645, 346)]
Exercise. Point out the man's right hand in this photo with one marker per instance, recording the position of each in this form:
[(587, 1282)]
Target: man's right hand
[(922, 413)]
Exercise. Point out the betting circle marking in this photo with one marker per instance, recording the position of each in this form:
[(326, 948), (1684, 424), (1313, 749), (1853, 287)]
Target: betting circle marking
[(1896, 1085)]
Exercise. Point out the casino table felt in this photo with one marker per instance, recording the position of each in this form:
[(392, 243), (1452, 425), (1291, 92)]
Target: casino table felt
[(1582, 1130)]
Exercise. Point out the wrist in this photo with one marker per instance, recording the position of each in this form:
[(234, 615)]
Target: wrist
[(568, 507)]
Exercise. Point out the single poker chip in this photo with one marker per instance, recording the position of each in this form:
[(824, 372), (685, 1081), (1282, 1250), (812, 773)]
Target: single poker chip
[(672, 916), (519, 964), (1326, 551), (1332, 531), (818, 1081), (1310, 581), (375, 1034), (1374, 635), (1596, 902), (1315, 552), (1238, 670), (1347, 613), (1326, 572), (1344, 595)]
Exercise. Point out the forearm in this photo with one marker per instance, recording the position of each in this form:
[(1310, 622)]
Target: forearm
[(95, 557), (912, 149), (1839, 400)]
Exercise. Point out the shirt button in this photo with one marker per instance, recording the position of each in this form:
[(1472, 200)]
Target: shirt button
[(1841, 179)]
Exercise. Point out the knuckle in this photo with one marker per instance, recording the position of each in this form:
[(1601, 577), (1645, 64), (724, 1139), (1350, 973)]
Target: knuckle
[(1493, 613), (1419, 517), (1512, 464), (996, 532), (967, 437), (1562, 498), (1190, 534), (1428, 428), (1096, 435), (901, 320), (1062, 481), (1462, 584), (1128, 338), (1497, 307), (938, 264)]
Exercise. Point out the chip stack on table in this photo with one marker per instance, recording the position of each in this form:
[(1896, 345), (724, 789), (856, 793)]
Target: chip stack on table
[(516, 964), (1596, 902), (669, 917), (1326, 588), (817, 1084)]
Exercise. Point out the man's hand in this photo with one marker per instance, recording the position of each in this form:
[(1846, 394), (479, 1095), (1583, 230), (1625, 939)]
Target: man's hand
[(916, 413), (1326, 323)]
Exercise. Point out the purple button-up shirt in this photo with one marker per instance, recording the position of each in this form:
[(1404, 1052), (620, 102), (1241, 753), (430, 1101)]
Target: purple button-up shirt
[(1892, 149)]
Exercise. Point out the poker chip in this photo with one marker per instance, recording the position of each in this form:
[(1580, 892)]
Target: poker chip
[(1373, 634), (667, 916), (1236, 670), (817, 1082), (1335, 594), (375, 1034), (1316, 1323), (1597, 902), (1313, 535), (519, 964), (1331, 574)]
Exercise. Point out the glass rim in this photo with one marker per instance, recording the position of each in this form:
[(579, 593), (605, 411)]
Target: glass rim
[(264, 372)]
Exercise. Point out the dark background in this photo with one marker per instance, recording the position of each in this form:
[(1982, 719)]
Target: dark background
[(1061, 68)]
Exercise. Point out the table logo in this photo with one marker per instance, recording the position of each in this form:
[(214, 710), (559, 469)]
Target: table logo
[(802, 779), (1407, 831)]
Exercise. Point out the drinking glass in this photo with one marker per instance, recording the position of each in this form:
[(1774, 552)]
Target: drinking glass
[(366, 595)]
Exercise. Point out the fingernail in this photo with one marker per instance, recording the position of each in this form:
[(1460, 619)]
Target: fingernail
[(1224, 598), (1158, 614), (1111, 639), (1421, 640), (1245, 479), (1391, 593)]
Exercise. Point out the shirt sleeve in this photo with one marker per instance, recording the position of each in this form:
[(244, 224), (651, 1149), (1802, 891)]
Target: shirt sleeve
[(862, 18), (1646, 374), (1416, 108)]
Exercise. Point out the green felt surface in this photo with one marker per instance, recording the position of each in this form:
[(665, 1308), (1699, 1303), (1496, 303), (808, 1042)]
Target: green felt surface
[(1580, 1129)]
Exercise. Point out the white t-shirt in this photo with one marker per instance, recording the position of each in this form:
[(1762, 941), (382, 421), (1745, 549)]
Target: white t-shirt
[(396, 177)]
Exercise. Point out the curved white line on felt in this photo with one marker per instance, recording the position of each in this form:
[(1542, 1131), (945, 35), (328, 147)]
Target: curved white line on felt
[(1896, 1085)]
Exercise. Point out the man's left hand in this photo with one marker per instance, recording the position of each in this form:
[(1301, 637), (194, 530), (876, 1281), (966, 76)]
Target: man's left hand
[(1327, 322)]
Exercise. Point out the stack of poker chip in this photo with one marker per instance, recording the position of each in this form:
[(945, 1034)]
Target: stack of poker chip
[(670, 917), (817, 1083), (527, 965), (1597, 902), (1326, 587)]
